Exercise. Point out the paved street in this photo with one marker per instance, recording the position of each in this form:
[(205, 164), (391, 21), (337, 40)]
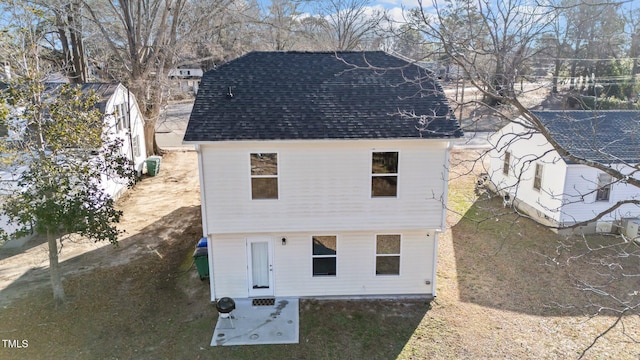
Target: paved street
[(172, 125)]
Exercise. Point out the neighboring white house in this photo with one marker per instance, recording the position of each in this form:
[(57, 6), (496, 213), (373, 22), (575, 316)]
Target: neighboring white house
[(313, 184), (186, 78), (122, 119), (558, 192)]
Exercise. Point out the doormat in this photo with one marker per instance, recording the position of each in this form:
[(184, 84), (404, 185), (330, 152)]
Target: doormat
[(264, 302)]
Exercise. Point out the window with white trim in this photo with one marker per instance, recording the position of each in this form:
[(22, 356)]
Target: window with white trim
[(135, 143), (387, 254), (121, 116), (324, 255), (264, 175), (507, 163), (537, 179), (384, 174), (604, 187)]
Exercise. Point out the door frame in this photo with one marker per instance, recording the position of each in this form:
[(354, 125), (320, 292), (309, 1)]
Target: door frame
[(270, 291)]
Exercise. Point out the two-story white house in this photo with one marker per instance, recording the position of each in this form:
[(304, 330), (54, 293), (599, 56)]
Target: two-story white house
[(322, 174), (185, 78), (559, 192), (122, 119)]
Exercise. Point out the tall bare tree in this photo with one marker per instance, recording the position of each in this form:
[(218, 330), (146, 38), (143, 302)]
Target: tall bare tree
[(144, 42), (350, 22), (509, 33)]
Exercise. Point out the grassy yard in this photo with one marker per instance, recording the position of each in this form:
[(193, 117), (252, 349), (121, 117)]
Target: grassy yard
[(506, 289)]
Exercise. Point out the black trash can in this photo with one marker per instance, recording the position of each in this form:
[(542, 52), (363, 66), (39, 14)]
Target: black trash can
[(201, 259)]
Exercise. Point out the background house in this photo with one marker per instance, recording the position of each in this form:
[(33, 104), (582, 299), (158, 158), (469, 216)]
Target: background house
[(319, 178), (122, 119), (185, 79), (557, 192)]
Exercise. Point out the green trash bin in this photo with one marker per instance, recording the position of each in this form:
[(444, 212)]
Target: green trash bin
[(201, 259), (153, 165)]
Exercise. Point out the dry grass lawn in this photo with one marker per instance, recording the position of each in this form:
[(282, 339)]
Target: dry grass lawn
[(503, 292)]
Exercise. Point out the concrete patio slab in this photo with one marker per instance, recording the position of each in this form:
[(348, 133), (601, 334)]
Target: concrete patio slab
[(259, 325)]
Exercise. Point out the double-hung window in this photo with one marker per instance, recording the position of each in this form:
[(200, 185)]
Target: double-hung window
[(324, 255), (604, 187), (264, 175), (136, 146), (121, 116), (507, 163), (388, 255), (384, 174), (537, 179)]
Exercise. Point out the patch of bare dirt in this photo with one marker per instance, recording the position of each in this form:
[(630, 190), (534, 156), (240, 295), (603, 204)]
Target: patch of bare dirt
[(152, 216)]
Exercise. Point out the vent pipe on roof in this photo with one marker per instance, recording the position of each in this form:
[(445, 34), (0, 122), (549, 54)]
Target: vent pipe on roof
[(229, 93)]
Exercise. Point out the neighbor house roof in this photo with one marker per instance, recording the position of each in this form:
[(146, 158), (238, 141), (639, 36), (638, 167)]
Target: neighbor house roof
[(104, 91), (319, 95), (611, 136)]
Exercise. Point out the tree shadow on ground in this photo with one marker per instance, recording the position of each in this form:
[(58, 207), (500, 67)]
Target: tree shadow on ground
[(150, 240), (509, 262), (141, 300)]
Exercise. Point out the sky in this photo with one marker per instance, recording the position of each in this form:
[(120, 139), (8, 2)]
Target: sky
[(395, 7)]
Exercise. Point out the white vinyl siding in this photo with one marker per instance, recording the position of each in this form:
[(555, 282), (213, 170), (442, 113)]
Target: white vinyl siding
[(569, 197), (519, 184), (581, 183), (355, 263), (323, 186)]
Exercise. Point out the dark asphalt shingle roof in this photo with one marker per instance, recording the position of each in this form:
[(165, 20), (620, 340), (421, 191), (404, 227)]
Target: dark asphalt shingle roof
[(313, 95), (104, 91), (603, 136)]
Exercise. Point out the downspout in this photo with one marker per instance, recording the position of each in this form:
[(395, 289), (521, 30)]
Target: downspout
[(133, 154), (205, 230), (445, 195), (443, 223)]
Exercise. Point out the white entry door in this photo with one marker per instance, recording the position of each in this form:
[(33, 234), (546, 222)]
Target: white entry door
[(260, 268)]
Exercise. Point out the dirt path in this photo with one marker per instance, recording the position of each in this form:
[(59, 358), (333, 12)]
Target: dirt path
[(151, 216)]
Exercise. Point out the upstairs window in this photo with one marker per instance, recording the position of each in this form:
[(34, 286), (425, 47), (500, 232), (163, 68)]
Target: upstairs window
[(264, 175), (388, 255), (507, 163), (604, 187), (324, 255), (122, 120), (537, 179), (384, 174)]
